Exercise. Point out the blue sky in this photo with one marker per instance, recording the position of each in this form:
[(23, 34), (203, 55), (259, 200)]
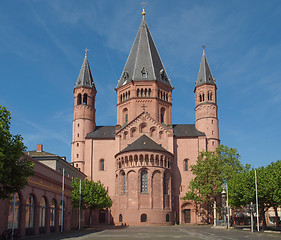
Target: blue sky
[(41, 53)]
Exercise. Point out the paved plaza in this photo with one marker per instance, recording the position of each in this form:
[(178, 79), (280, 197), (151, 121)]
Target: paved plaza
[(161, 232)]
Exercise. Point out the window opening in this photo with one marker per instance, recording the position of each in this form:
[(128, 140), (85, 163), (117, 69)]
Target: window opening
[(120, 218), (186, 165), (79, 99), (101, 165), (85, 99), (143, 217), (144, 182)]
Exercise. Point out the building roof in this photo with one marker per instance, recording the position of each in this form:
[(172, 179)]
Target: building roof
[(85, 78), (102, 132), (186, 130), (204, 74), (144, 143), (40, 154), (144, 62)]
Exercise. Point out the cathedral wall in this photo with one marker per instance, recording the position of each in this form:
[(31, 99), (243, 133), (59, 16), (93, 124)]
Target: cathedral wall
[(101, 150)]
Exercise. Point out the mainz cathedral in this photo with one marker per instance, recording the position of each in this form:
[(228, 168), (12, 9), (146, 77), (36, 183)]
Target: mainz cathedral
[(144, 160)]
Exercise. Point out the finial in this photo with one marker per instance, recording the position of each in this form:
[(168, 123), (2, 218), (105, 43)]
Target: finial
[(86, 51), (203, 47), (143, 6)]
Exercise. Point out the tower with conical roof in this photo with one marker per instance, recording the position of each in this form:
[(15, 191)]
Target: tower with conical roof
[(83, 113), (144, 85), (206, 108)]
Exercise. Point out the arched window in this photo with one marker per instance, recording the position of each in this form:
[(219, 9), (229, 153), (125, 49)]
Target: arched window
[(120, 218), (160, 134), (165, 189), (129, 94), (158, 93), (14, 200), (141, 92), (145, 92), (152, 132), (144, 181), (102, 165), (138, 92), (42, 215), (53, 215), (167, 97), (121, 98), (85, 99), (123, 182), (29, 213), (185, 164), (200, 98), (125, 115), (210, 96), (149, 92), (133, 131), (143, 128), (167, 217), (143, 217), (162, 115), (79, 99), (203, 97)]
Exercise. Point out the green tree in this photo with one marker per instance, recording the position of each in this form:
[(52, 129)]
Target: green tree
[(14, 168), (94, 196), (242, 189), (211, 171)]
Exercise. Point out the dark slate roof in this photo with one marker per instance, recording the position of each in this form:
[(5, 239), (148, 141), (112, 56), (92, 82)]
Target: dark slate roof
[(144, 143), (204, 74), (102, 132), (186, 130), (144, 62), (85, 78)]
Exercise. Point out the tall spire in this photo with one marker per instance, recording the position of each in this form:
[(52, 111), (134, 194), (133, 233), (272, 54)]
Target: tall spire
[(144, 62), (85, 78), (204, 74)]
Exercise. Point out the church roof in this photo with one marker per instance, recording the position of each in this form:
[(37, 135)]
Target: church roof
[(144, 62), (186, 130), (102, 132), (144, 143), (204, 74), (85, 78)]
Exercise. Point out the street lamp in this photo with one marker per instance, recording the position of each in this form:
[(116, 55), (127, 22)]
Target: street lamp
[(223, 203)]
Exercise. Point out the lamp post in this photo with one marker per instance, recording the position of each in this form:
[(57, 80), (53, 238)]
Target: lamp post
[(223, 203)]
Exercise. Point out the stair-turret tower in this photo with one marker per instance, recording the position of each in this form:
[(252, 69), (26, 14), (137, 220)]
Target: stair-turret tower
[(83, 113), (206, 108)]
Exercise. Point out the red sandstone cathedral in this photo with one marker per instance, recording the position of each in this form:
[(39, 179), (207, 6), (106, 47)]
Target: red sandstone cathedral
[(144, 160)]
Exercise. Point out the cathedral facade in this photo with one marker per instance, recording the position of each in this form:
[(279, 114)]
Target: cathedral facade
[(144, 160)]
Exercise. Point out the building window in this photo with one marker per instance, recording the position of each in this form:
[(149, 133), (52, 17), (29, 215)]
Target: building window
[(167, 218), (42, 215), (123, 183), (143, 217), (144, 181), (120, 218), (162, 115), (85, 99), (185, 164), (79, 99), (16, 213), (165, 185), (102, 165), (29, 212), (53, 216)]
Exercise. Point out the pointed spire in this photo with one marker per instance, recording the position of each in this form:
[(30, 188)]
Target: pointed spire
[(144, 62), (85, 78), (204, 74)]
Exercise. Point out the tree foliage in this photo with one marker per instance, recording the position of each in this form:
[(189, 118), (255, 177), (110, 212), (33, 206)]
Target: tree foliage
[(211, 171), (14, 168), (242, 189), (94, 196)]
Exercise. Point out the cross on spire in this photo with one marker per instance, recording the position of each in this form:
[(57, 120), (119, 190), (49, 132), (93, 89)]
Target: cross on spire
[(86, 51), (143, 6)]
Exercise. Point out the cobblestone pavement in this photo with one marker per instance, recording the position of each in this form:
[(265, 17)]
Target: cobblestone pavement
[(160, 232)]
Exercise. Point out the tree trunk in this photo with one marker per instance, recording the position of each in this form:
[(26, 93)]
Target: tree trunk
[(276, 217), (264, 225), (89, 217)]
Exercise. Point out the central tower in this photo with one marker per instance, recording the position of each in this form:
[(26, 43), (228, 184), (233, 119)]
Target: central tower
[(144, 85)]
